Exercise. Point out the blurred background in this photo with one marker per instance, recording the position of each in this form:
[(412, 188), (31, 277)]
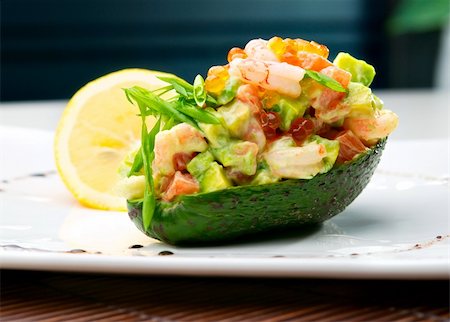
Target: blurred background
[(50, 48)]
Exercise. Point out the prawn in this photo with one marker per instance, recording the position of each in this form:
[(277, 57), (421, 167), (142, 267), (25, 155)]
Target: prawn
[(182, 138), (276, 76), (371, 129), (258, 49), (249, 94), (254, 133), (296, 162)]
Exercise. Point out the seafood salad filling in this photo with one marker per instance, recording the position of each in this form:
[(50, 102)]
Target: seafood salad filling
[(280, 109)]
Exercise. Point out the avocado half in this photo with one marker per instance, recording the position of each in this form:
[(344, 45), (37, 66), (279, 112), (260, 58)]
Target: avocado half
[(225, 215)]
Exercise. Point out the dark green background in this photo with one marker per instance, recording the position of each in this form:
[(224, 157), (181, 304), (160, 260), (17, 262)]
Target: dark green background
[(50, 48)]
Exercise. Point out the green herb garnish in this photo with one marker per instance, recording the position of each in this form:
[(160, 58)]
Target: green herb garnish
[(179, 85), (199, 91), (182, 108), (189, 92), (151, 104), (137, 165), (325, 80), (148, 155)]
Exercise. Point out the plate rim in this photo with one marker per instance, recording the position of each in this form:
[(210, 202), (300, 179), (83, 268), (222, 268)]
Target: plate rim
[(343, 268), (320, 267)]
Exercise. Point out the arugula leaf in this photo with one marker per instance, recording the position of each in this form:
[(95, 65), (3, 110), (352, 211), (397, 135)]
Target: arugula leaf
[(325, 80)]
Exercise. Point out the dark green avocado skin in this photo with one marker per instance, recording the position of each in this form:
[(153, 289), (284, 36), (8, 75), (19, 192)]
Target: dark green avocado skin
[(225, 215)]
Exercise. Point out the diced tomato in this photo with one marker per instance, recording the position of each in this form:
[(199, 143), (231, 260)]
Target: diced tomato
[(249, 94), (323, 99), (312, 61), (328, 99), (181, 184), (165, 182), (338, 74), (291, 59), (300, 129), (181, 159), (328, 132), (350, 145)]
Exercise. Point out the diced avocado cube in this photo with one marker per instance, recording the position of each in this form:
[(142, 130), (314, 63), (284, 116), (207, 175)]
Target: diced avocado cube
[(131, 188), (209, 173), (264, 176), (200, 164), (377, 103), (229, 92), (214, 178), (216, 134), (360, 100), (361, 71), (236, 117), (239, 155), (332, 147), (290, 109)]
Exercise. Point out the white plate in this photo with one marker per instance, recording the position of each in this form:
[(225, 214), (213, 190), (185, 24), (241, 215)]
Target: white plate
[(397, 228)]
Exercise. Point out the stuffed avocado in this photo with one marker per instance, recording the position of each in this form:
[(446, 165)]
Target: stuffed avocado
[(279, 137)]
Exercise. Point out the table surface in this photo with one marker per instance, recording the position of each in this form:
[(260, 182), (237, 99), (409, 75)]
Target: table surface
[(37, 296)]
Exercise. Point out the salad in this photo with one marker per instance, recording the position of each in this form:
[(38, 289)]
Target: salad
[(279, 112)]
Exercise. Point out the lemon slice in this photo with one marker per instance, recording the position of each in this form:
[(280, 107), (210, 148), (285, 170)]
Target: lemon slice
[(96, 131)]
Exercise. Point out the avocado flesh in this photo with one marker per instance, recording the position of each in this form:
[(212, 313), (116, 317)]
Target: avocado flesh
[(225, 215), (360, 100), (361, 71)]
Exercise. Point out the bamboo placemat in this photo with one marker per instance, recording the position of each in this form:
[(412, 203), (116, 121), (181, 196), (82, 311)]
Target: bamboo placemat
[(43, 296)]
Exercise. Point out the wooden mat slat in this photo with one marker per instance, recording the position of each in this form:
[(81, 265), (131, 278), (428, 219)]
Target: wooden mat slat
[(52, 297), (240, 311), (240, 306), (348, 314), (294, 312)]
